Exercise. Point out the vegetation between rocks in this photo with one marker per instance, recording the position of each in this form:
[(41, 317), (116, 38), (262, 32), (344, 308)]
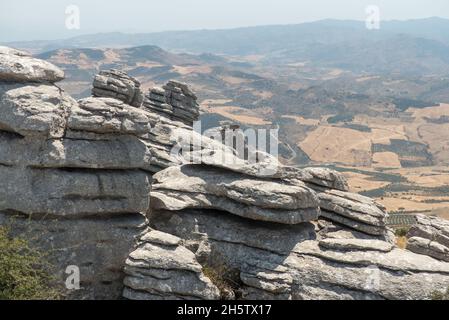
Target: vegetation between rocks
[(24, 271)]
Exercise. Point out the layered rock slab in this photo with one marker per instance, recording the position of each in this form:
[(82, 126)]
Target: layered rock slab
[(19, 66), (429, 236), (353, 211), (118, 85), (199, 186), (73, 174), (175, 101), (289, 262), (161, 268), (34, 109)]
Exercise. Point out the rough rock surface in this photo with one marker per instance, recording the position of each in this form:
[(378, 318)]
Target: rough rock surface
[(275, 261), (349, 255), (34, 109), (196, 186), (175, 101), (19, 66), (118, 85), (429, 236), (162, 268), (74, 174), (353, 210)]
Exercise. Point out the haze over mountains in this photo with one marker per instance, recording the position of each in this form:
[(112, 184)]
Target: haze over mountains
[(412, 47)]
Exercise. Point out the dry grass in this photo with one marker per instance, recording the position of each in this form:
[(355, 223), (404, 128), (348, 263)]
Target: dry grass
[(238, 114), (431, 112), (303, 121), (400, 203), (360, 182), (184, 70), (338, 145), (401, 242), (386, 160), (224, 278)]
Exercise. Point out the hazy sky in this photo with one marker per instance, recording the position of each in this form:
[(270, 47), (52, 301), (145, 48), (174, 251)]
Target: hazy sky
[(45, 19)]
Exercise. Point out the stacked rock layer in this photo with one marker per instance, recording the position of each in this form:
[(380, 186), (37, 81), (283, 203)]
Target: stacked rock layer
[(73, 173), (175, 101), (118, 85), (429, 236)]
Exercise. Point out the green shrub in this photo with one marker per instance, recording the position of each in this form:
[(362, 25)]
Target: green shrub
[(24, 271), (401, 232)]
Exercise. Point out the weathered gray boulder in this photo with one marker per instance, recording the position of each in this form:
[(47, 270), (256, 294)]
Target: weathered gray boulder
[(175, 101), (19, 66), (73, 192), (316, 177), (106, 115), (197, 186), (428, 247), (162, 268), (429, 236), (352, 210), (275, 261), (118, 85), (75, 178), (34, 109)]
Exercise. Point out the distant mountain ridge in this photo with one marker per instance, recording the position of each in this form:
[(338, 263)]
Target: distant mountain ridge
[(219, 40), (414, 47)]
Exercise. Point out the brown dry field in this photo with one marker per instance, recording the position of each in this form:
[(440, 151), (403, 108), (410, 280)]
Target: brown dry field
[(359, 182), (413, 201), (303, 121), (386, 160), (332, 144), (184, 70), (245, 116)]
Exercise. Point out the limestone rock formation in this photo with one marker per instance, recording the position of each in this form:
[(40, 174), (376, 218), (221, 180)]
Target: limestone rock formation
[(278, 261), (76, 179), (353, 210), (118, 85), (349, 255), (429, 236), (162, 268), (19, 66), (73, 174), (175, 100)]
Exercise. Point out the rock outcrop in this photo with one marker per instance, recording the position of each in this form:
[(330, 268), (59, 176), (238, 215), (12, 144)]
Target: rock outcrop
[(118, 85), (175, 100), (281, 252), (19, 66), (73, 174), (275, 261), (353, 210), (429, 236), (162, 268), (191, 186)]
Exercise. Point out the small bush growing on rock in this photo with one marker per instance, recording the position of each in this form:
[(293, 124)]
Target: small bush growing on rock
[(225, 279), (23, 271), (401, 232)]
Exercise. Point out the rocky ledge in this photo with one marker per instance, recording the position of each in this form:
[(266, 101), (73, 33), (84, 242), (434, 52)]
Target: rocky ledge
[(122, 189), (429, 236), (174, 100)]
